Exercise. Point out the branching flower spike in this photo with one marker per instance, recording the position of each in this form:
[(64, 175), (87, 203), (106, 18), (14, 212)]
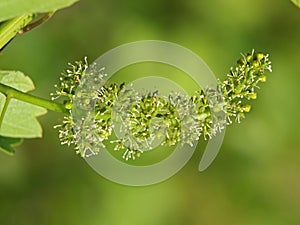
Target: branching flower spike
[(173, 119)]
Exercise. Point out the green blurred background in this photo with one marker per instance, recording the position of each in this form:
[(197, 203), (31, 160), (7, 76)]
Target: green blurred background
[(254, 180)]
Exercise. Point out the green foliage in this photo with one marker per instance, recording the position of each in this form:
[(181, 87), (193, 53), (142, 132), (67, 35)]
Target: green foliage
[(14, 8), (19, 111), (254, 180), (7, 144), (296, 2), (20, 117)]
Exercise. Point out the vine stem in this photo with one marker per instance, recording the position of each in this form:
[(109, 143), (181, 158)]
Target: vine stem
[(7, 100), (10, 28), (19, 25), (36, 23), (10, 92)]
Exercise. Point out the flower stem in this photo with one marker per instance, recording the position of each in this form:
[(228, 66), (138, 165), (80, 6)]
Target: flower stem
[(10, 92)]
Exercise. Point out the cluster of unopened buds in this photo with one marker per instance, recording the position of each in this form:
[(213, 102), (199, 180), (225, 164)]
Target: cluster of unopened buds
[(174, 119)]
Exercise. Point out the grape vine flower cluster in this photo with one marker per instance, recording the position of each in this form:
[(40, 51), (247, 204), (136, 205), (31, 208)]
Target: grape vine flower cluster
[(149, 116)]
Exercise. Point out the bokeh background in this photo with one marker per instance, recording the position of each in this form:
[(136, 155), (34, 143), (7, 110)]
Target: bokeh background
[(254, 180)]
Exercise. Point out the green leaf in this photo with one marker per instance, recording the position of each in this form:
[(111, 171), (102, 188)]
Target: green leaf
[(7, 144), (13, 8), (296, 2), (20, 117)]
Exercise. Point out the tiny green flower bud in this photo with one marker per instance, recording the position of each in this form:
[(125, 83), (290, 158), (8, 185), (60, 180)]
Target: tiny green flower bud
[(256, 64), (252, 95), (249, 57), (247, 108), (259, 56), (239, 89), (68, 105), (263, 78)]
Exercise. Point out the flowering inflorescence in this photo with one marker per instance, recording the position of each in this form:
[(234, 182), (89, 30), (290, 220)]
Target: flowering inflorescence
[(148, 119), (68, 81), (242, 82)]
